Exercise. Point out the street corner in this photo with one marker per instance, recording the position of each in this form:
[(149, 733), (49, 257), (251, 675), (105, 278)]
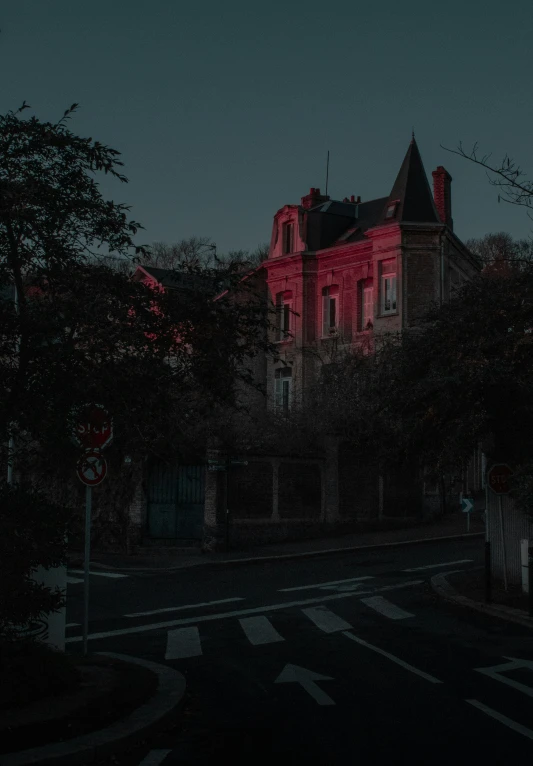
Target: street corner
[(126, 699), (468, 588)]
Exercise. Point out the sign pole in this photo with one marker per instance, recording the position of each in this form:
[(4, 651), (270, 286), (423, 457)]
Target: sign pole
[(503, 543), (488, 579), (88, 504)]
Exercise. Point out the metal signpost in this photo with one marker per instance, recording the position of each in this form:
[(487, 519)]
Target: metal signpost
[(498, 481), (93, 431)]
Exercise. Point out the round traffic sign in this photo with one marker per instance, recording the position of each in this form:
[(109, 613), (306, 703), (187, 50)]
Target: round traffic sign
[(91, 468), (498, 478)]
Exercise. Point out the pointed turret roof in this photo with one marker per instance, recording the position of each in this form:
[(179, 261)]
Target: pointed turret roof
[(411, 190)]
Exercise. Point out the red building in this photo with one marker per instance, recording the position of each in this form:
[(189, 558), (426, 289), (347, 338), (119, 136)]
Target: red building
[(341, 272)]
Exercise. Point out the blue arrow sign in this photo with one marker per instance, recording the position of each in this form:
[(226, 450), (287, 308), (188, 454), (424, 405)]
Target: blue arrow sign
[(467, 505)]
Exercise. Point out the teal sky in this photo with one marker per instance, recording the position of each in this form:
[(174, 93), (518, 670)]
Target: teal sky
[(225, 111)]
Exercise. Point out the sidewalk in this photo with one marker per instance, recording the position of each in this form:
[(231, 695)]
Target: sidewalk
[(467, 588), (448, 527)]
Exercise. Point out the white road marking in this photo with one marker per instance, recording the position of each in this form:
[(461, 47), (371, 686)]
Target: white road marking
[(72, 580), (324, 584), (184, 642), (98, 574), (436, 566), (502, 718), (308, 679), (154, 757), (385, 607), (236, 613), (514, 664), (326, 620), (186, 606), (397, 660), (259, 630), (72, 624)]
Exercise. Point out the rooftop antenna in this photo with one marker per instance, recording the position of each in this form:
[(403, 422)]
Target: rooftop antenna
[(327, 174)]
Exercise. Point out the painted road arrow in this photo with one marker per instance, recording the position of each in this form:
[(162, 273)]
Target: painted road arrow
[(307, 678)]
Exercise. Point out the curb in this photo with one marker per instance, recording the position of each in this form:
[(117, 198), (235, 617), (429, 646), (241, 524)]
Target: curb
[(285, 556), (442, 588), (98, 744)]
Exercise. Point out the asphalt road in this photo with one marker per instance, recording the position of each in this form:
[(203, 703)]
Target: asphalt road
[(332, 660)]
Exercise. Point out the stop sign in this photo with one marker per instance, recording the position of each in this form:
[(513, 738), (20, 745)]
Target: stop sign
[(498, 478), (92, 427)]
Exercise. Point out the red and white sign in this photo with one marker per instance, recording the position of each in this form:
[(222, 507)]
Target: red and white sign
[(498, 478), (91, 468), (93, 427)]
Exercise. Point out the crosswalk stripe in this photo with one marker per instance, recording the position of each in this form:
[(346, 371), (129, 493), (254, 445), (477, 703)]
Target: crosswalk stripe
[(259, 630), (99, 574), (324, 584), (183, 642), (385, 607), (326, 620)]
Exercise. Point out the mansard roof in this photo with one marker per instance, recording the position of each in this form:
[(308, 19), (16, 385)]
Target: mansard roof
[(411, 191), (333, 222)]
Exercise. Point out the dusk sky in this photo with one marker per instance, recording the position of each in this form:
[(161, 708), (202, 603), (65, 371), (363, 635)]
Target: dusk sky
[(225, 111)]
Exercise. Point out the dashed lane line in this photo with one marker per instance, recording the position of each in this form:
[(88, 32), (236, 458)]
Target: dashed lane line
[(436, 566), (186, 606), (238, 613), (99, 574), (324, 584)]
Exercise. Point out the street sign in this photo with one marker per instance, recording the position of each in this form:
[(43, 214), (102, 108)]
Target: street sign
[(91, 468), (217, 467), (238, 462), (498, 478), (92, 427), (467, 505)]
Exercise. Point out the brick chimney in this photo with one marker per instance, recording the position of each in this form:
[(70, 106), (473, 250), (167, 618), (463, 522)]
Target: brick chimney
[(442, 194), (313, 198)]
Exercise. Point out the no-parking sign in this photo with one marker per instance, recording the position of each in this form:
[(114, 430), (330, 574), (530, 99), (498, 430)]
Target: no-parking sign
[(91, 468)]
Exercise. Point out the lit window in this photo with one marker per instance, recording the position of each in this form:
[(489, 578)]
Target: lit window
[(330, 310), (388, 287), (285, 314), (391, 209), (288, 238), (367, 307), (283, 381)]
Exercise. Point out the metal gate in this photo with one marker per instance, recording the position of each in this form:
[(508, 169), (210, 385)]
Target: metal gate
[(176, 495)]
